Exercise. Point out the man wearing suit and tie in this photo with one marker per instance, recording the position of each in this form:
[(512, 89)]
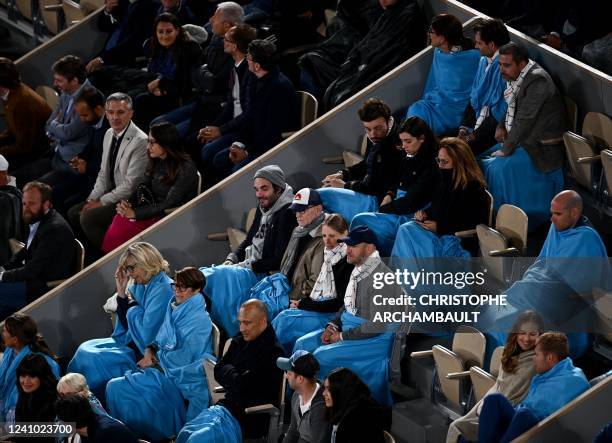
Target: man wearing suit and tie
[(124, 160), (48, 255)]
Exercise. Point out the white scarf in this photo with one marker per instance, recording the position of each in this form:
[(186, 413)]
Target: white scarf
[(484, 111), (358, 274), (512, 91), (325, 286)]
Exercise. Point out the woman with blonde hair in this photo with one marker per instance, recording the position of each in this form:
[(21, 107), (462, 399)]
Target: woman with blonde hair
[(74, 383), (460, 203), (143, 292), (517, 370)]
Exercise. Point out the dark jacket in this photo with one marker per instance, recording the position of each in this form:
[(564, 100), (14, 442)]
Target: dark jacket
[(364, 422), (106, 429), (342, 272), (10, 221), (249, 374), (419, 178), (379, 170), (275, 243), (49, 257), (131, 24), (226, 121), (38, 406), (539, 121), (166, 195), (182, 12), (186, 61), (272, 111), (213, 77), (93, 151), (312, 426)]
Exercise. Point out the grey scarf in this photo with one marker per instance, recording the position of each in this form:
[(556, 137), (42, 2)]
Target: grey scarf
[(296, 235)]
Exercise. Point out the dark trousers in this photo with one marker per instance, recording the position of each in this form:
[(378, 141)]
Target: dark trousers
[(12, 298), (500, 422), (93, 222)]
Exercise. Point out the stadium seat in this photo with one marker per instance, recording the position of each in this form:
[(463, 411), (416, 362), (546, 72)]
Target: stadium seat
[(308, 108), (79, 263), (73, 12), (52, 15), (49, 94), (234, 235), (597, 128), (583, 160)]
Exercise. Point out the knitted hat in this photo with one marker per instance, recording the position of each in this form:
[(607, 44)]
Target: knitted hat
[(273, 174)]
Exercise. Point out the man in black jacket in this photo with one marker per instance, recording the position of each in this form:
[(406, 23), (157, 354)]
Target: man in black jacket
[(259, 254), (48, 254), (10, 208), (248, 370)]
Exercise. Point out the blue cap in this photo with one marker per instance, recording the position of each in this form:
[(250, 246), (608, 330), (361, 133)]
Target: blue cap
[(360, 234)]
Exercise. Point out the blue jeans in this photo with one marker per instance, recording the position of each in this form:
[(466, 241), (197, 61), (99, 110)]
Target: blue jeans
[(180, 117), (501, 422), (12, 298)]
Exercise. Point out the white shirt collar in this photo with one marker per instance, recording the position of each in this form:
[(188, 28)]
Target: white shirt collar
[(122, 132), (306, 407)]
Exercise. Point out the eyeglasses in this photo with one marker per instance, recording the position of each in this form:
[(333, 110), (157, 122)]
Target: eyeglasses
[(177, 287), (152, 142), (442, 161)]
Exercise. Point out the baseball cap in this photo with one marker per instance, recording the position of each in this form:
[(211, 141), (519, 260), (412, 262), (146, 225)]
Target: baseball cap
[(4, 164), (360, 234), (305, 198), (301, 362)]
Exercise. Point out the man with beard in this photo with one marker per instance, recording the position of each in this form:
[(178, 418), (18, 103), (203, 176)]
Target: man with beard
[(228, 286), (48, 254)]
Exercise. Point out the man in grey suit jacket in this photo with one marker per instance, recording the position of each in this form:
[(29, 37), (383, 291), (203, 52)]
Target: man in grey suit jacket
[(124, 160), (538, 119)]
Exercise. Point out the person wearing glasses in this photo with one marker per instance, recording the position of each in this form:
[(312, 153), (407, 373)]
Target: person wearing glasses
[(418, 179), (171, 373), (143, 292), (361, 187), (171, 179), (460, 203), (449, 83)]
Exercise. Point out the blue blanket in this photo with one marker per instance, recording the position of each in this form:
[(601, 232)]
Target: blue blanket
[(488, 89), (368, 358), (516, 181), (227, 288), (571, 262), (415, 241), (346, 202), (384, 225), (99, 360), (214, 425), (291, 324), (183, 341), (8, 380), (447, 91), (273, 290)]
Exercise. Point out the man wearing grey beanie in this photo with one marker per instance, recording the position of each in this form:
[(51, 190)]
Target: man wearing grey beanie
[(260, 253)]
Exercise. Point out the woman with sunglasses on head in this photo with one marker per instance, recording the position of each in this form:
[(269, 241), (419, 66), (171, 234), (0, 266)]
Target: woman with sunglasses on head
[(74, 383), (37, 394), (171, 179), (21, 338), (515, 374), (143, 292), (171, 371), (419, 177), (449, 83), (460, 203)]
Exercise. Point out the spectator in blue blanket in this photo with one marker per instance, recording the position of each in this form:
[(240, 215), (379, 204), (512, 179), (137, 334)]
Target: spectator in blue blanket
[(557, 383)]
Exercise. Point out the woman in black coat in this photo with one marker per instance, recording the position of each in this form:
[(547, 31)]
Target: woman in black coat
[(353, 413)]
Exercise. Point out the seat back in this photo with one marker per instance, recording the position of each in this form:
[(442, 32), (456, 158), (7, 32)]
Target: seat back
[(447, 362), (199, 182), (606, 163), (226, 346), (216, 337), (209, 370), (572, 112), (79, 250), (482, 381), (469, 344), (308, 108), (388, 437), (73, 13), (25, 8), (51, 18), (597, 128), (49, 94), (512, 222), (491, 206), (489, 240), (91, 5), (495, 365), (576, 147)]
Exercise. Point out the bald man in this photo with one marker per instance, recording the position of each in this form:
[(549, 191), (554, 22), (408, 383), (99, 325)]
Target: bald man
[(573, 260), (248, 370)]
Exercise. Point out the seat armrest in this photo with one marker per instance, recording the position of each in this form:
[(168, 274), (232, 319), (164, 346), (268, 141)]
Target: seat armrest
[(219, 390), (465, 234), (217, 236), (508, 252), (333, 160), (263, 409), (457, 375), (590, 159), (421, 354)]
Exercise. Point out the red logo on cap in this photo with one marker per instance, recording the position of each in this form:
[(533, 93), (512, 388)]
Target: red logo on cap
[(298, 196)]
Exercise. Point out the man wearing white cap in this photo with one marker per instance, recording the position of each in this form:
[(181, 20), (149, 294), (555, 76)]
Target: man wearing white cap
[(10, 208)]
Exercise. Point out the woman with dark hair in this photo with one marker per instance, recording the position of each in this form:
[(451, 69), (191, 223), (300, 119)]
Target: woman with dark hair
[(171, 180), (449, 83), (517, 370), (353, 413), (169, 384), (459, 203), (419, 177), (173, 55), (314, 310), (36, 384), (21, 338)]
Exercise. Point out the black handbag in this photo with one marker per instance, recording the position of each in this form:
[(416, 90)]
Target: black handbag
[(144, 196)]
